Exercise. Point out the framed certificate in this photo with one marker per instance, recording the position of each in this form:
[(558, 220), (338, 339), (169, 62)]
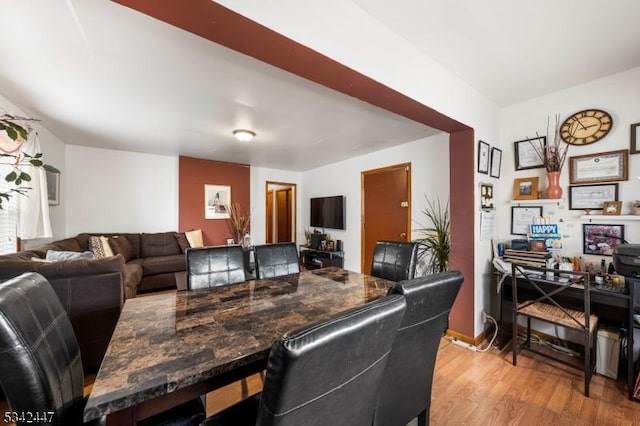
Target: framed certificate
[(592, 197), (598, 168), (528, 153), (522, 217), (483, 157)]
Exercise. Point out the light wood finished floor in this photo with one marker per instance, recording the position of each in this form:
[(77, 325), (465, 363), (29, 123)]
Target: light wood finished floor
[(475, 388)]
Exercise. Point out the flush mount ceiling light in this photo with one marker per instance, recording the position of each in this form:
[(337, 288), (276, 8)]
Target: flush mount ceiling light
[(244, 135)]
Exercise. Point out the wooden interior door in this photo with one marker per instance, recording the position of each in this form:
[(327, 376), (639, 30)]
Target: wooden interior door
[(283, 213), (269, 217), (386, 208)]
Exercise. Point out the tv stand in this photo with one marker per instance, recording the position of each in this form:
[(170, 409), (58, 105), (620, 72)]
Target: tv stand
[(315, 258)]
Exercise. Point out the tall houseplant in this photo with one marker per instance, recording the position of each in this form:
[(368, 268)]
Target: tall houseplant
[(11, 155), (435, 238)]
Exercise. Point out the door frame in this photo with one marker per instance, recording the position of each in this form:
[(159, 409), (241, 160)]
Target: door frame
[(294, 207), (407, 167)]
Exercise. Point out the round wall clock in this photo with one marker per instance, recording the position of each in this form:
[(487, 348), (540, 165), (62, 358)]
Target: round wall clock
[(585, 127)]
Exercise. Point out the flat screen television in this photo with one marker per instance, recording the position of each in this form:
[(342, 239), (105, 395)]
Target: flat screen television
[(328, 212)]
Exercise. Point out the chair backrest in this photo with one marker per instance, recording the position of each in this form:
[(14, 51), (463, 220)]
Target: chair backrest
[(214, 266), (405, 390), (40, 365), (394, 260), (329, 373), (275, 260)]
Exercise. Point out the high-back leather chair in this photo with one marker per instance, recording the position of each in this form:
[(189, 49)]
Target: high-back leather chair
[(275, 260), (405, 390), (40, 364), (214, 266), (326, 373), (394, 260)]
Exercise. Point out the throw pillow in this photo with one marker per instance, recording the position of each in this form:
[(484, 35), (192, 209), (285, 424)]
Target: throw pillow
[(195, 238), (99, 246), (66, 255), (38, 259), (182, 241), (121, 245)]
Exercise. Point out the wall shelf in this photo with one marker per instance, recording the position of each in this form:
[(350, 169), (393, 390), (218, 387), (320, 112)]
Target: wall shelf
[(536, 201), (609, 218)]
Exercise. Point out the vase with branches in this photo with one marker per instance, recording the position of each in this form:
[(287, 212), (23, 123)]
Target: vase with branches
[(553, 157), (238, 222), (434, 242), (16, 130)]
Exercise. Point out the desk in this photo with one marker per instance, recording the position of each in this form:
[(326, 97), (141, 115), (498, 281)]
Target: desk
[(612, 308), (172, 347)]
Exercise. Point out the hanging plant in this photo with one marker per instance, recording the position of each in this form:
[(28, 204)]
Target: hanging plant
[(11, 154)]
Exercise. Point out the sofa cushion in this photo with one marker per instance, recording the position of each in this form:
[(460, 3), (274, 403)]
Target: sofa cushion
[(158, 244), (62, 268), (163, 264), (183, 243), (121, 245), (65, 255), (70, 244), (132, 277)]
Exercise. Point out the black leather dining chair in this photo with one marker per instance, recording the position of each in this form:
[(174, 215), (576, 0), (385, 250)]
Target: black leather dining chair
[(275, 260), (40, 364), (405, 390), (394, 260), (214, 266), (326, 373)]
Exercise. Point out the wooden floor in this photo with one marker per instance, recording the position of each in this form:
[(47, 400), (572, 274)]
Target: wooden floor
[(476, 388)]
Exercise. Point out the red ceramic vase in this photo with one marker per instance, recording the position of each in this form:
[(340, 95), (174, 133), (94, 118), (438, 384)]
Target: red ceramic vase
[(553, 189)]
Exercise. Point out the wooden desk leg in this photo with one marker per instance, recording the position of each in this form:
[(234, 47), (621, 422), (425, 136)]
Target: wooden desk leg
[(123, 417)]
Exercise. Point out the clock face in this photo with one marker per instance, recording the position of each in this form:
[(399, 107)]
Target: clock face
[(585, 127)]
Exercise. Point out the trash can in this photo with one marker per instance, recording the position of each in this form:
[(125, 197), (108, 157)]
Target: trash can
[(608, 353)]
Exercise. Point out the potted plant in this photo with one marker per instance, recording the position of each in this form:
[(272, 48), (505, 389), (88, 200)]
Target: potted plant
[(238, 223), (13, 134), (434, 244), (553, 156)]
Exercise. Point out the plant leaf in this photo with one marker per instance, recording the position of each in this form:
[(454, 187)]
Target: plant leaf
[(25, 177), (11, 177), (50, 168), (35, 162)]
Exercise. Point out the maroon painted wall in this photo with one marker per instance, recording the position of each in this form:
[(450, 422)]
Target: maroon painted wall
[(193, 174)]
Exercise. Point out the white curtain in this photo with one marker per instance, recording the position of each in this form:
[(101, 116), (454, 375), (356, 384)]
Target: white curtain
[(33, 207)]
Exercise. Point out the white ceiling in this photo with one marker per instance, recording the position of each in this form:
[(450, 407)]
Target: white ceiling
[(99, 74)]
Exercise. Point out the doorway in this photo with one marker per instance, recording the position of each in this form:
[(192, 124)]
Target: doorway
[(281, 212), (386, 208)]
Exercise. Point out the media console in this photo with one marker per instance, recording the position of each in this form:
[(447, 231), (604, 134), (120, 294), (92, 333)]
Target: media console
[(314, 259)]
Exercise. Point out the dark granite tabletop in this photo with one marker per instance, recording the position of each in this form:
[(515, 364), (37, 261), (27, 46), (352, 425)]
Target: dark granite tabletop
[(169, 341)]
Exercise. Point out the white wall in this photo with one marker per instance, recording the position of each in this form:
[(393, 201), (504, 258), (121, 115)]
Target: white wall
[(617, 94), (429, 160), (119, 191)]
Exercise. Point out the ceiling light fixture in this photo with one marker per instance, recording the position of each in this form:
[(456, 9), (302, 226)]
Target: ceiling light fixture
[(244, 135)]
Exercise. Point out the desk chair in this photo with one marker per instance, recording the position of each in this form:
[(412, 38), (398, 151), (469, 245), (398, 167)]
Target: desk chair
[(405, 390), (275, 260), (40, 364), (545, 304), (394, 260), (323, 374), (214, 266)]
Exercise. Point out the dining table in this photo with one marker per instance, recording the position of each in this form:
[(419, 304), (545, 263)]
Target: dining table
[(169, 348)]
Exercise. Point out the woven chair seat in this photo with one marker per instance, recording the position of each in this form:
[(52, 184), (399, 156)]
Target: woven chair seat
[(551, 313)]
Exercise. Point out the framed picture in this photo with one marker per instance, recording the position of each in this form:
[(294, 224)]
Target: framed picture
[(53, 188), (525, 188), (522, 217), (486, 196), (496, 161), (635, 138), (217, 199), (592, 197), (599, 168), (483, 157), (612, 208), (601, 239), (526, 153)]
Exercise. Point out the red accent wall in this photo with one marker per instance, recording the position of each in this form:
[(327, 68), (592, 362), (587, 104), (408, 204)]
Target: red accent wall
[(193, 174)]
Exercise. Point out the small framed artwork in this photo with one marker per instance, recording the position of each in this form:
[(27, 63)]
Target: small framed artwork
[(525, 188), (217, 199), (635, 138), (528, 151), (612, 208), (230, 241), (592, 197), (599, 168), (53, 188), (601, 239), (486, 196), (483, 157), (496, 160), (522, 217)]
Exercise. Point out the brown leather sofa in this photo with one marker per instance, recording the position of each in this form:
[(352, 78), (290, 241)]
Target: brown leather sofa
[(93, 291)]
